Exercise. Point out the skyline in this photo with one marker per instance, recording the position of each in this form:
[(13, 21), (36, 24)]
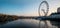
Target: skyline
[(26, 7)]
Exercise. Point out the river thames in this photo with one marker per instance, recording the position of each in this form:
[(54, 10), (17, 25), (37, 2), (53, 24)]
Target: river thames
[(26, 23)]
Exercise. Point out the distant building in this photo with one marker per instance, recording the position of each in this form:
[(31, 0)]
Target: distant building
[(58, 12)]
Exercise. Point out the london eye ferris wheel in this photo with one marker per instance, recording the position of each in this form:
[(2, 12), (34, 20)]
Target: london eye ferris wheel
[(43, 8)]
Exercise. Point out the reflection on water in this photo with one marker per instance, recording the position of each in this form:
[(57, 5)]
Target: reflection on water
[(29, 23)]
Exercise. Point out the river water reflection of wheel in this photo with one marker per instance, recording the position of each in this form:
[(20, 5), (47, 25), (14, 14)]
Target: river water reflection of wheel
[(26, 23)]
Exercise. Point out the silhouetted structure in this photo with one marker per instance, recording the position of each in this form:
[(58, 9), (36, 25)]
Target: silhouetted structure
[(44, 11), (57, 18)]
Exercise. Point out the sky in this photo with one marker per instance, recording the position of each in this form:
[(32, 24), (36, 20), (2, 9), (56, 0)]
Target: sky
[(26, 7)]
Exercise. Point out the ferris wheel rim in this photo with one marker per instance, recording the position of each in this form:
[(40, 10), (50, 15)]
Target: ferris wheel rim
[(40, 6)]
